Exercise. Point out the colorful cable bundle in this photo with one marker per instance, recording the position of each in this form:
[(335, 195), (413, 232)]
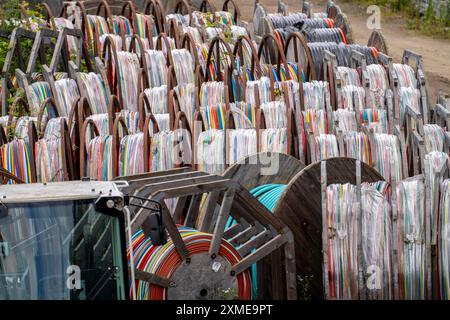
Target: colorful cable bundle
[(434, 137), (349, 76), (101, 120), (186, 96), (157, 96), (241, 113), (411, 239), (274, 140), (99, 162), (342, 241), (376, 118), (39, 92), (444, 242), (386, 147), (201, 19), (225, 18), (262, 87), (95, 89), (131, 156), (128, 69), (122, 23), (281, 21), (351, 97), (131, 119), (116, 39), (325, 146), (183, 64), (184, 20), (435, 161), (241, 143), (316, 95), (325, 35), (244, 63), (275, 114), (236, 32), (212, 32), (195, 33), (16, 158), (290, 89), (163, 120), (163, 261), (346, 119), (102, 27), (49, 153), (60, 24), (65, 94), (212, 93), (21, 130), (285, 70), (156, 68), (314, 121), (376, 241), (142, 20), (405, 75), (357, 146), (202, 52), (162, 157), (165, 49), (378, 84), (410, 97), (211, 151), (214, 116)]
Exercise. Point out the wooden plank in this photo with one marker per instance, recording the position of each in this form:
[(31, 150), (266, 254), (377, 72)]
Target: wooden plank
[(289, 265), (258, 240), (206, 216), (326, 284), (219, 228), (258, 254), (191, 216), (151, 278)]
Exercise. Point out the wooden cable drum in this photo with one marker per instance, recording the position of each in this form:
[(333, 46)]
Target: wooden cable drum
[(236, 11), (341, 21), (297, 50), (300, 207), (156, 9), (270, 51), (332, 10), (206, 7), (378, 41), (249, 171), (244, 43)]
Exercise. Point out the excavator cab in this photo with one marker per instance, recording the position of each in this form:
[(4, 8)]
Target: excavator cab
[(63, 241)]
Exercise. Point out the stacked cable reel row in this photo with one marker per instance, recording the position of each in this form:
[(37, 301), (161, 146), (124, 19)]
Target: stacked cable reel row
[(128, 91)]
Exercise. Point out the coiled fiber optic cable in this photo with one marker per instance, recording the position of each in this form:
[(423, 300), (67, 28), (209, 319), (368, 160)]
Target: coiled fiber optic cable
[(268, 195)]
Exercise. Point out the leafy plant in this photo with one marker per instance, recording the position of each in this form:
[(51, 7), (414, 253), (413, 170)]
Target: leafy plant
[(304, 286), (16, 13)]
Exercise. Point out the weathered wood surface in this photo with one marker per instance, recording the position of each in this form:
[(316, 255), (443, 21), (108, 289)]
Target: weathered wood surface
[(249, 172), (300, 208)]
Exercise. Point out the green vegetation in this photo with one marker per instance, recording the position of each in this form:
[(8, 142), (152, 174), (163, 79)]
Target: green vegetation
[(16, 13), (426, 23)]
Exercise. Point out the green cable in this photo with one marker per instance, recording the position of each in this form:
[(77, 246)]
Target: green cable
[(268, 195)]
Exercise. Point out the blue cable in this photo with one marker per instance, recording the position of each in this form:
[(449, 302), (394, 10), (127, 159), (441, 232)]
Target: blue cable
[(268, 195)]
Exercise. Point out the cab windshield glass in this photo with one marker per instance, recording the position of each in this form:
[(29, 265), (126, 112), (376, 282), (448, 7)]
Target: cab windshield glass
[(61, 250)]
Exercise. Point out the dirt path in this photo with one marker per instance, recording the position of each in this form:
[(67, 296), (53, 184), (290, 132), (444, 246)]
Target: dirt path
[(435, 52)]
